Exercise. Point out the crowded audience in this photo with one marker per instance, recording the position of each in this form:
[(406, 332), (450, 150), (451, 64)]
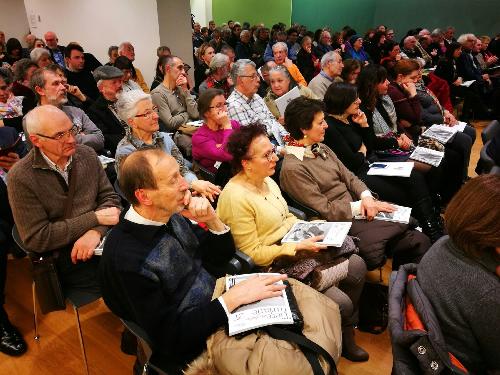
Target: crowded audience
[(274, 119)]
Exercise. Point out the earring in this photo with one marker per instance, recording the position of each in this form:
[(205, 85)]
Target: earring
[(305, 136)]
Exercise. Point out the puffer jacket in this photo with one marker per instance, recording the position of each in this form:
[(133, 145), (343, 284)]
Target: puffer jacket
[(418, 345)]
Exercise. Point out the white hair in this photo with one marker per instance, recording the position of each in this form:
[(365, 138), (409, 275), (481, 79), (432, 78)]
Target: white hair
[(33, 120), (238, 68), (464, 37), (219, 60), (280, 46), (126, 105), (122, 46), (37, 53), (244, 32), (329, 56)]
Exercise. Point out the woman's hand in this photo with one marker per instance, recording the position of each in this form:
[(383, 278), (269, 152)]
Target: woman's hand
[(404, 142), (253, 289), (360, 119), (222, 119), (370, 207), (410, 88), (205, 189), (449, 119), (458, 82), (363, 149), (311, 244), (281, 120)]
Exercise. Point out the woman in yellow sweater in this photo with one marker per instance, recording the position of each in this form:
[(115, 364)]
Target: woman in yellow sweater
[(251, 204)]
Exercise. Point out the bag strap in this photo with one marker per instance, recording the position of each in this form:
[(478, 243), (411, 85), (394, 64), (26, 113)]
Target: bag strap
[(310, 349), (68, 203)]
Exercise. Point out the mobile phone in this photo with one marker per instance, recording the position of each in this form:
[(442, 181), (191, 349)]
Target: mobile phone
[(7, 150)]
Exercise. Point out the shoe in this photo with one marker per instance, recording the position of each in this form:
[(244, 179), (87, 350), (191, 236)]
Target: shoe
[(11, 341), (350, 350)]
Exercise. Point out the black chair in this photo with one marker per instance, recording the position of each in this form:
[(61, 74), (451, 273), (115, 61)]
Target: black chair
[(77, 297), (495, 170), (486, 162), (309, 213), (490, 131), (145, 344)]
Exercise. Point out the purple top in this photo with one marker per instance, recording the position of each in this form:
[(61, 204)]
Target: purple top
[(205, 141)]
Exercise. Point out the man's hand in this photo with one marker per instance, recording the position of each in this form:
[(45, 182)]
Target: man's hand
[(199, 209), (84, 247), (7, 161), (288, 62), (206, 189), (253, 289), (75, 90), (458, 81), (108, 216), (182, 81)]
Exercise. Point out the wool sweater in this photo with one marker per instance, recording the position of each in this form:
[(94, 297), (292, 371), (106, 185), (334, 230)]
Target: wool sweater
[(465, 296), (325, 185), (258, 222), (37, 195), (175, 107), (155, 276), (85, 82), (320, 84)]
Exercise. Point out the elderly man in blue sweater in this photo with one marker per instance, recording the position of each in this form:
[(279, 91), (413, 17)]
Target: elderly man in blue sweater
[(157, 273)]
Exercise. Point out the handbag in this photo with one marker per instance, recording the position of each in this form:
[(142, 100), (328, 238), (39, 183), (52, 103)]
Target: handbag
[(374, 308), (48, 287)]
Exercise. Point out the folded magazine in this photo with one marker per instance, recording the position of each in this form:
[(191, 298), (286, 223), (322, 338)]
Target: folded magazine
[(334, 232)]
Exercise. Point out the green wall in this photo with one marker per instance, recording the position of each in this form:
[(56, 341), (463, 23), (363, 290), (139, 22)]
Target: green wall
[(336, 14), (253, 11), (474, 16)]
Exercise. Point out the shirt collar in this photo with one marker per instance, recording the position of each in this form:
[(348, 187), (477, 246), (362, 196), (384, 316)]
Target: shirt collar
[(53, 165), (246, 99), (326, 76), (136, 218)]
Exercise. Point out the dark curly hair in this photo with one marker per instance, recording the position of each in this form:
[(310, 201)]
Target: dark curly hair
[(368, 80), (239, 143), (299, 114)]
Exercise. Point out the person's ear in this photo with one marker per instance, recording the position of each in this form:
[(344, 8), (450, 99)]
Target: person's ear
[(39, 90), (143, 197), (35, 140)]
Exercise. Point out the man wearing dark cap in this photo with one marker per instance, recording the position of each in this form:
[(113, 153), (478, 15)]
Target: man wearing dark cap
[(102, 112)]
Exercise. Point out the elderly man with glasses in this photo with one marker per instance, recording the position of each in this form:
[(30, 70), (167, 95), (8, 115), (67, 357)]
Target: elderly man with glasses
[(247, 107), (40, 190)]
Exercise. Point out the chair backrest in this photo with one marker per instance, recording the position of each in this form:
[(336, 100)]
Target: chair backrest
[(309, 212), (203, 172), (490, 131), (486, 161)]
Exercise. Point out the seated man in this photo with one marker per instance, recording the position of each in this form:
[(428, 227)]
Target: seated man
[(127, 49), (76, 73), (50, 89), (280, 52), (39, 186), (56, 51), (103, 112), (175, 104), (331, 68), (11, 341), (154, 269), (246, 107), (324, 44)]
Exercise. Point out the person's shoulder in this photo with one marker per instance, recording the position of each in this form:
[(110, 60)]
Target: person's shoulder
[(86, 155), (72, 110), (19, 170), (124, 147)]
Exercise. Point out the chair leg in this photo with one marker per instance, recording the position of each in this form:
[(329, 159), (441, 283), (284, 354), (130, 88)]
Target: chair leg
[(35, 312), (80, 336)]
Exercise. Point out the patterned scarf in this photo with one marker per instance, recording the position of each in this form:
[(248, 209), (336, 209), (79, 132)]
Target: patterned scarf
[(384, 123)]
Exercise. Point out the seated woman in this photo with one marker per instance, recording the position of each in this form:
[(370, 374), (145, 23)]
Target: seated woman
[(391, 55), (350, 71), (41, 57), (434, 113), (251, 204), (204, 54), (137, 110), (159, 73), (307, 62), (23, 71), (355, 50), (460, 276), (315, 177), (349, 135), (11, 106), (209, 141), (376, 46), (407, 103), (125, 65), (218, 76), (281, 82)]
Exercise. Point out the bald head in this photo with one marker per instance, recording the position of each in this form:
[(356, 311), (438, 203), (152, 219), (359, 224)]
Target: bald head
[(51, 39), (42, 119)]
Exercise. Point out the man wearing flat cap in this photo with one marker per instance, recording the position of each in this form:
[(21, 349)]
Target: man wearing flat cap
[(103, 112)]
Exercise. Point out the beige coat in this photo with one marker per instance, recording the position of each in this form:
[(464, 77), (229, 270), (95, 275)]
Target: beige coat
[(259, 354)]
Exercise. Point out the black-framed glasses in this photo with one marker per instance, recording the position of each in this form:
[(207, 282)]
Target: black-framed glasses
[(218, 105), (268, 155), (62, 135), (148, 113)]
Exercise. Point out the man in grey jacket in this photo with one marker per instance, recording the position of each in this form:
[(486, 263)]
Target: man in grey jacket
[(49, 89)]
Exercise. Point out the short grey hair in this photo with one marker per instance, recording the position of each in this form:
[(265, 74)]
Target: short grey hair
[(244, 32), (219, 60), (329, 56), (281, 46), (464, 37), (123, 45), (436, 32), (238, 68), (281, 69), (126, 105), (37, 53)]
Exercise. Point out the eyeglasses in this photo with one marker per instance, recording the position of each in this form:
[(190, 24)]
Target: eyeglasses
[(253, 76), (268, 155), (219, 105), (62, 135), (149, 113)]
